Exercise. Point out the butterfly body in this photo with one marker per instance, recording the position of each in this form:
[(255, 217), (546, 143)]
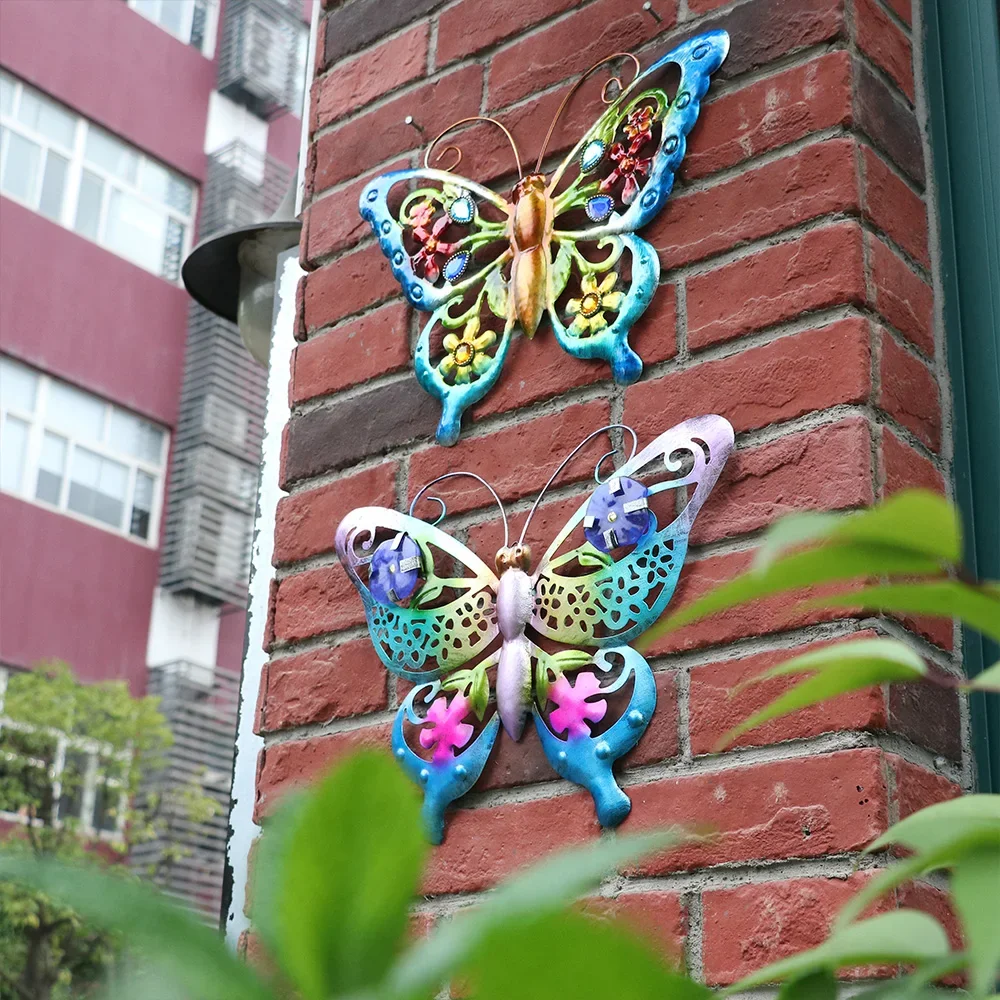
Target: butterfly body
[(563, 245), (591, 695)]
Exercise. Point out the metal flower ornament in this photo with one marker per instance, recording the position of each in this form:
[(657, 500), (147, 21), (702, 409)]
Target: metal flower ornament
[(552, 641), (563, 244)]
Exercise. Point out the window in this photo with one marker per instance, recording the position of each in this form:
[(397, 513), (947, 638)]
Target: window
[(64, 448), (77, 174), (46, 773), (192, 21)]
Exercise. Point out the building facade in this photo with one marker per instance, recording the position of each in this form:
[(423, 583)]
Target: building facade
[(129, 418), (806, 278)]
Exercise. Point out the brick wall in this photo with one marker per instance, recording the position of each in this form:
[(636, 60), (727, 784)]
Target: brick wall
[(796, 300)]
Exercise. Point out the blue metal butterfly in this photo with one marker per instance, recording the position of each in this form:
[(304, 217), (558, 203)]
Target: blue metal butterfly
[(484, 265), (592, 595)]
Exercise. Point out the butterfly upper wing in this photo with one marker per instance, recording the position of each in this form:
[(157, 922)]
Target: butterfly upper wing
[(619, 202), (619, 601), (461, 281), (421, 643)]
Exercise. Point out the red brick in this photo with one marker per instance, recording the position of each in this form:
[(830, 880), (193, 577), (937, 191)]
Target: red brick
[(802, 807), (333, 223), (770, 113), (324, 684), (471, 26), (353, 84), (361, 143), (903, 9), (895, 209), (661, 741), (571, 45), (786, 378), (751, 926), (920, 896), (272, 600), (316, 601), (903, 298), (658, 917), (822, 268), (352, 353), (773, 614), (916, 788), (307, 521), (296, 763), (827, 468), (714, 710), (516, 460), (883, 41), (910, 393), (483, 846), (349, 284), (704, 6), (550, 518), (904, 468), (815, 181)]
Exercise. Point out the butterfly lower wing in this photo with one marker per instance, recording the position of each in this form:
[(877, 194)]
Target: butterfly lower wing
[(447, 244), (620, 599), (582, 689)]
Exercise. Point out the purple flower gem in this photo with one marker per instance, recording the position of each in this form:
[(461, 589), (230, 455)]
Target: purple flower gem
[(618, 514), (394, 570)]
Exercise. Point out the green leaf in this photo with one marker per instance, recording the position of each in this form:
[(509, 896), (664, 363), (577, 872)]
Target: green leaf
[(942, 824), (540, 889), (975, 606), (496, 293), (987, 680), (819, 985), (903, 936), (480, 695), (354, 860), (801, 569), (183, 950), (974, 883), (845, 666), (571, 659), (916, 521), (587, 555), (572, 955), (560, 269)]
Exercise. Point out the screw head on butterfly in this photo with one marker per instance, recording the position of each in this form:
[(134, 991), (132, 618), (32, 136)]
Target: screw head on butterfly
[(395, 570), (618, 514)]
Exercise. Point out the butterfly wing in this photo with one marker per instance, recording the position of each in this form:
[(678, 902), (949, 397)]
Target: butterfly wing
[(446, 241), (428, 634), (615, 603), (626, 164)]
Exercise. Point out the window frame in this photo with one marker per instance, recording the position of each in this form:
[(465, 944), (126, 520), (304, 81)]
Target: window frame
[(207, 47), (77, 164), (37, 428), (93, 777)]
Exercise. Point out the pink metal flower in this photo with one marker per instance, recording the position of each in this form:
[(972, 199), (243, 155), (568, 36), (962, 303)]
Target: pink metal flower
[(627, 166), (574, 710), (432, 250), (446, 731), (639, 125)]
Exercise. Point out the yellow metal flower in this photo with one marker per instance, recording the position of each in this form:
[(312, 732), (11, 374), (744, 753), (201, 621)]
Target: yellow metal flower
[(589, 309), (467, 354)]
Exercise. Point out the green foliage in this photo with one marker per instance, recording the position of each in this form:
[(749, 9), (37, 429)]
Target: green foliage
[(337, 868)]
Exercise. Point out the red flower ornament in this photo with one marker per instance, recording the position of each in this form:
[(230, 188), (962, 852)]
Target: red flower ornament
[(433, 250), (627, 167)]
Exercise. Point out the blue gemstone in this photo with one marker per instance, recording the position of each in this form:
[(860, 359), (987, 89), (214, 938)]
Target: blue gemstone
[(395, 570), (701, 51), (454, 266), (386, 226), (599, 207), (397, 257), (617, 515), (671, 143), (592, 154), (373, 194), (462, 210), (683, 100), (649, 198)]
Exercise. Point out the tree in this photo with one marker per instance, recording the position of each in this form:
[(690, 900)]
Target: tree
[(72, 761)]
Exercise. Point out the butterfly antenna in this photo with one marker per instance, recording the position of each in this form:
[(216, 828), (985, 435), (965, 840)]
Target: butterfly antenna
[(569, 458), (444, 508), (465, 121), (604, 95)]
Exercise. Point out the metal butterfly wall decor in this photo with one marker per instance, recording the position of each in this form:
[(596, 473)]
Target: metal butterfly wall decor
[(553, 640), (566, 244)]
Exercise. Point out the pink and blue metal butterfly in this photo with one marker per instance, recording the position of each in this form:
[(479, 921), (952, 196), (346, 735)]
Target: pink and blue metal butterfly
[(484, 265), (552, 642)]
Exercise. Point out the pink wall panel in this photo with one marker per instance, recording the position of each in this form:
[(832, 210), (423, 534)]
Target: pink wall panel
[(73, 591), (80, 312), (115, 67)]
